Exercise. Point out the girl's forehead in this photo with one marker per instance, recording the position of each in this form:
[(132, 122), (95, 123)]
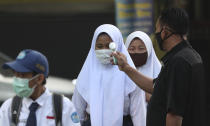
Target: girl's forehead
[(103, 38), (137, 41)]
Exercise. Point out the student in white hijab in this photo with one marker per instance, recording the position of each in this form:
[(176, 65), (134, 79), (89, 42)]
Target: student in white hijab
[(105, 96), (141, 50)]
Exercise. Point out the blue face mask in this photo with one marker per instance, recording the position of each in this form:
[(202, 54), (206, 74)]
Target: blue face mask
[(21, 87)]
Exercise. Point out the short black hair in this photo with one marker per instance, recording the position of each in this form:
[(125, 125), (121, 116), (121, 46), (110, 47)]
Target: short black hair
[(176, 19)]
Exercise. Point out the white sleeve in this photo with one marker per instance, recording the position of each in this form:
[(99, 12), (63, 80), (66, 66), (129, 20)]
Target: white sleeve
[(80, 105), (138, 107), (70, 116), (5, 113)]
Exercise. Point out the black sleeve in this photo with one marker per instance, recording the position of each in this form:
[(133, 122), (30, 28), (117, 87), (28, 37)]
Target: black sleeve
[(178, 87)]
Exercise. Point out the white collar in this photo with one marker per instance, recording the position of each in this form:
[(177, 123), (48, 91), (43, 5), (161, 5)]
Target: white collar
[(40, 100)]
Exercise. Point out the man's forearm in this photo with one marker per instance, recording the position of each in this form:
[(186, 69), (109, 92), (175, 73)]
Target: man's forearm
[(173, 120), (142, 81)]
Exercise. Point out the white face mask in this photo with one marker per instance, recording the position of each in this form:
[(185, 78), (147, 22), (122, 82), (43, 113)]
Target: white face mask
[(103, 55)]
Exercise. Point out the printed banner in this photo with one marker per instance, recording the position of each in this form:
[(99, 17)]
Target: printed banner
[(133, 15)]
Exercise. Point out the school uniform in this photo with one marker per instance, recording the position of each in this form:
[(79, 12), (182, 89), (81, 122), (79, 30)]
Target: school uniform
[(44, 114), (133, 108), (106, 94)]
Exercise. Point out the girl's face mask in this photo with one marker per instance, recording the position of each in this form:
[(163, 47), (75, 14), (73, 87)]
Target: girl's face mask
[(139, 59), (21, 86), (103, 55)]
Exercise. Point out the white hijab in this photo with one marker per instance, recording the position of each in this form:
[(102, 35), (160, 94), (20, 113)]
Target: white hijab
[(104, 86), (152, 67)]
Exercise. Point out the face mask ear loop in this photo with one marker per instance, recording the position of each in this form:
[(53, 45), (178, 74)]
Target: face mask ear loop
[(161, 31), (168, 35), (32, 79), (34, 86)]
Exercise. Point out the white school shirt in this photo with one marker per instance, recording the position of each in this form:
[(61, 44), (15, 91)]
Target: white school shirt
[(44, 113), (133, 105)]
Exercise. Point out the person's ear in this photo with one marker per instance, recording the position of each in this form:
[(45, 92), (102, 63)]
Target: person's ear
[(165, 32), (162, 34), (40, 79)]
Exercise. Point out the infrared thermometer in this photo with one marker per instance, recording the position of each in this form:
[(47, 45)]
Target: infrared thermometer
[(113, 47)]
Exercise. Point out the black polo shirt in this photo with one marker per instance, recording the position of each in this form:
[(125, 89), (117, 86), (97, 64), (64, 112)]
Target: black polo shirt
[(179, 88)]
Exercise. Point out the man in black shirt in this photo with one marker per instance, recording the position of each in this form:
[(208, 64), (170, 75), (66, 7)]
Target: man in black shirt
[(178, 93)]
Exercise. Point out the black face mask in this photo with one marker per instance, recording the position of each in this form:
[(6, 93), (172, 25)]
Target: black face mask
[(160, 40), (139, 59)]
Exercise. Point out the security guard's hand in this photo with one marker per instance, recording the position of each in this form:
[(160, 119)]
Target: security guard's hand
[(121, 60)]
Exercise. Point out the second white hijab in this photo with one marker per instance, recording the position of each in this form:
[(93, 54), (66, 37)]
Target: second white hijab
[(152, 66)]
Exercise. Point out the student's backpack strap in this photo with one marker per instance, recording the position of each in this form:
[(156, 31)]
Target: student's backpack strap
[(15, 109), (58, 107)]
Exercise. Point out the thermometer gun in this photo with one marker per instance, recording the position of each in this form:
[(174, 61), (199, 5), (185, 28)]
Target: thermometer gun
[(112, 46)]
